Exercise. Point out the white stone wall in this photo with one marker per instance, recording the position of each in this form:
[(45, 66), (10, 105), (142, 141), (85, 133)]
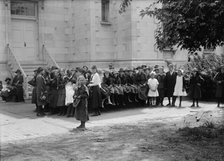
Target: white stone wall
[(81, 32), (3, 41), (54, 28), (74, 35)]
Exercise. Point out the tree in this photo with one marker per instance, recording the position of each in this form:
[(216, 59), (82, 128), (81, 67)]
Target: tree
[(189, 24)]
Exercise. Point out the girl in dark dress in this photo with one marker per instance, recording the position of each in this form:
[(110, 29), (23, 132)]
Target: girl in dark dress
[(81, 110), (195, 87)]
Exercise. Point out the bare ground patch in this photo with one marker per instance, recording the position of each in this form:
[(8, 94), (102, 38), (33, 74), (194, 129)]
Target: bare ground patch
[(141, 141)]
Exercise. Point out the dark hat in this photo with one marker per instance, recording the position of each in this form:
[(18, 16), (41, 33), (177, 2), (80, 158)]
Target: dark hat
[(39, 69), (18, 71), (85, 67), (138, 68), (170, 65), (94, 67), (7, 78), (111, 66), (121, 70), (54, 68), (80, 70), (156, 67)]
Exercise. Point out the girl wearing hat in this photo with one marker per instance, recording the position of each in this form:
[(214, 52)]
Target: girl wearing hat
[(153, 85), (179, 89)]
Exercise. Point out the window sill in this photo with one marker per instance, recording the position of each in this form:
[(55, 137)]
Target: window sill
[(106, 23)]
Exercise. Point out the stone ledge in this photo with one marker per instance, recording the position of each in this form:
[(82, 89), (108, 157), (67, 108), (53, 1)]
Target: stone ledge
[(105, 23)]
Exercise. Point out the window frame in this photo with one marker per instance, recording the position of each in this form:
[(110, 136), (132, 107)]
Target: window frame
[(17, 16), (105, 12)]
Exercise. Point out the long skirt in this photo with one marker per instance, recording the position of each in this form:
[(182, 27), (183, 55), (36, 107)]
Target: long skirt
[(95, 99), (161, 92), (19, 94), (53, 97), (81, 111), (61, 97), (34, 95)]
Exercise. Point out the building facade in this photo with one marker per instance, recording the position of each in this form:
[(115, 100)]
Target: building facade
[(76, 33)]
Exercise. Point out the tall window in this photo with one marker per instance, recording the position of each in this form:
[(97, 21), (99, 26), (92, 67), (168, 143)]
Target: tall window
[(105, 10), (23, 8)]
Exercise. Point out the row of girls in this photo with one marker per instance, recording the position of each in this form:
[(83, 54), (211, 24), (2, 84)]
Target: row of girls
[(141, 86)]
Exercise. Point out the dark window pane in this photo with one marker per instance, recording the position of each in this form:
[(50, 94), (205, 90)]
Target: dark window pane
[(105, 10), (23, 8)]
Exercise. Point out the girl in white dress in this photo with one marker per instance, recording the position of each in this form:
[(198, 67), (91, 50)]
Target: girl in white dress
[(153, 85), (179, 89), (69, 93)]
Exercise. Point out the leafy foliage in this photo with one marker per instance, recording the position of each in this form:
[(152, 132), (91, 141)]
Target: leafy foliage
[(206, 64), (189, 24)]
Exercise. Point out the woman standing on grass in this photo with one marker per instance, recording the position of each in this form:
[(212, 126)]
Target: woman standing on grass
[(81, 99)]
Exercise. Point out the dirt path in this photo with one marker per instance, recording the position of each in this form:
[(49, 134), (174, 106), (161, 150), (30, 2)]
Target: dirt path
[(140, 141)]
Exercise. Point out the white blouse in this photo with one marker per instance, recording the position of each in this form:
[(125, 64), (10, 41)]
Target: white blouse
[(95, 80)]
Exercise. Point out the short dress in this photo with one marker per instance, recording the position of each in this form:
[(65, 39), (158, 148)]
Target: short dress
[(153, 84), (178, 89)]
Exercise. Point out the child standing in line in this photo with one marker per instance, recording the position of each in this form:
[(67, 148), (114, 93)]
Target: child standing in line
[(81, 99), (179, 89), (153, 85)]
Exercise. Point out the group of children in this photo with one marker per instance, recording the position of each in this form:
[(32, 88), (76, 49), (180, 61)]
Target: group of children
[(158, 92), (74, 92), (140, 86)]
